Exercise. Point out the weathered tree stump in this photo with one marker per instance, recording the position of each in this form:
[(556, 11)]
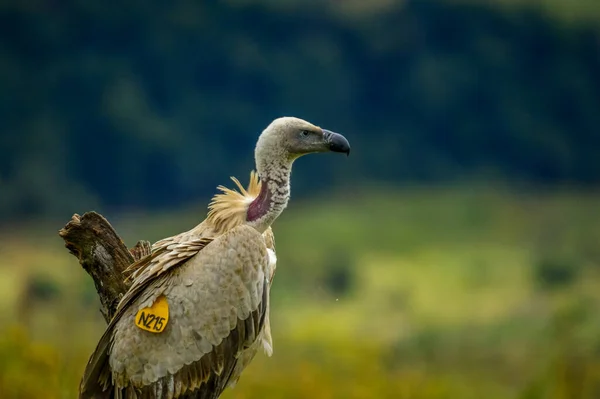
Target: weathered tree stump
[(103, 255)]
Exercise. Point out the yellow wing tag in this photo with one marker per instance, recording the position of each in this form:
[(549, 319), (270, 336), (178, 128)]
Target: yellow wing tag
[(154, 318)]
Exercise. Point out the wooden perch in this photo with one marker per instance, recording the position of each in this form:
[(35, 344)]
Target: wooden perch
[(103, 255)]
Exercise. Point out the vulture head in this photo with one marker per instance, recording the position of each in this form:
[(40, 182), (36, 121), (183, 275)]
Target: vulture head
[(283, 141), (288, 138)]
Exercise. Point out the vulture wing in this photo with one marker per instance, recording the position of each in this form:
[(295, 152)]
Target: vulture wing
[(217, 301)]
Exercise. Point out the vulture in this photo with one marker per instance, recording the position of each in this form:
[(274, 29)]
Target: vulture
[(197, 310)]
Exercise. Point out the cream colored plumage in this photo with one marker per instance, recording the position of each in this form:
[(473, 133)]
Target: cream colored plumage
[(216, 279)]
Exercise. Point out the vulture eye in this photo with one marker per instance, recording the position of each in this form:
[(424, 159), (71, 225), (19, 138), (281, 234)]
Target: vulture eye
[(304, 133)]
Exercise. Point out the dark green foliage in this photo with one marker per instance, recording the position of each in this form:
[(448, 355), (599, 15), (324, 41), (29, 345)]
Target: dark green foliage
[(552, 273), (42, 288), (153, 104), (339, 276)]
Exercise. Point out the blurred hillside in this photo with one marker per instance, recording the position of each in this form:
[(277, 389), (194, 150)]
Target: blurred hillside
[(454, 255), (455, 293), (152, 104)]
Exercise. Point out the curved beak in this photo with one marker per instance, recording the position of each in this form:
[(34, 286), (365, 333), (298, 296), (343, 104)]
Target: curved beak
[(336, 142)]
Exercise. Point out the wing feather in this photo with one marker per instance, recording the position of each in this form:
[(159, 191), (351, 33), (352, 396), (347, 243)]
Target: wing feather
[(211, 321)]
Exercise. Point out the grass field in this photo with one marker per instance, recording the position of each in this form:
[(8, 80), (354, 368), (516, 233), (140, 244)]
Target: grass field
[(459, 292)]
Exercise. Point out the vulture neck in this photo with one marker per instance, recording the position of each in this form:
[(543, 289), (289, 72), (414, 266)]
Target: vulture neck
[(273, 197)]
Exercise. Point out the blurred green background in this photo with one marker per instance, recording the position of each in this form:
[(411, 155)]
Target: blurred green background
[(455, 254)]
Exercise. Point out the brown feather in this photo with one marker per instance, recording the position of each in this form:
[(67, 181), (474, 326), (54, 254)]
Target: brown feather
[(209, 376), (205, 378)]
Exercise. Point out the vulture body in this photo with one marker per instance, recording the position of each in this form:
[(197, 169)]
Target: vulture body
[(214, 280)]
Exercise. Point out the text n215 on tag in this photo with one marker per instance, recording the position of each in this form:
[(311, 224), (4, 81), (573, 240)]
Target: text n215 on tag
[(154, 318)]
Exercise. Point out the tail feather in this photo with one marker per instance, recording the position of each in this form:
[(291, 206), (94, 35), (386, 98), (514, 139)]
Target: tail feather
[(97, 380)]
